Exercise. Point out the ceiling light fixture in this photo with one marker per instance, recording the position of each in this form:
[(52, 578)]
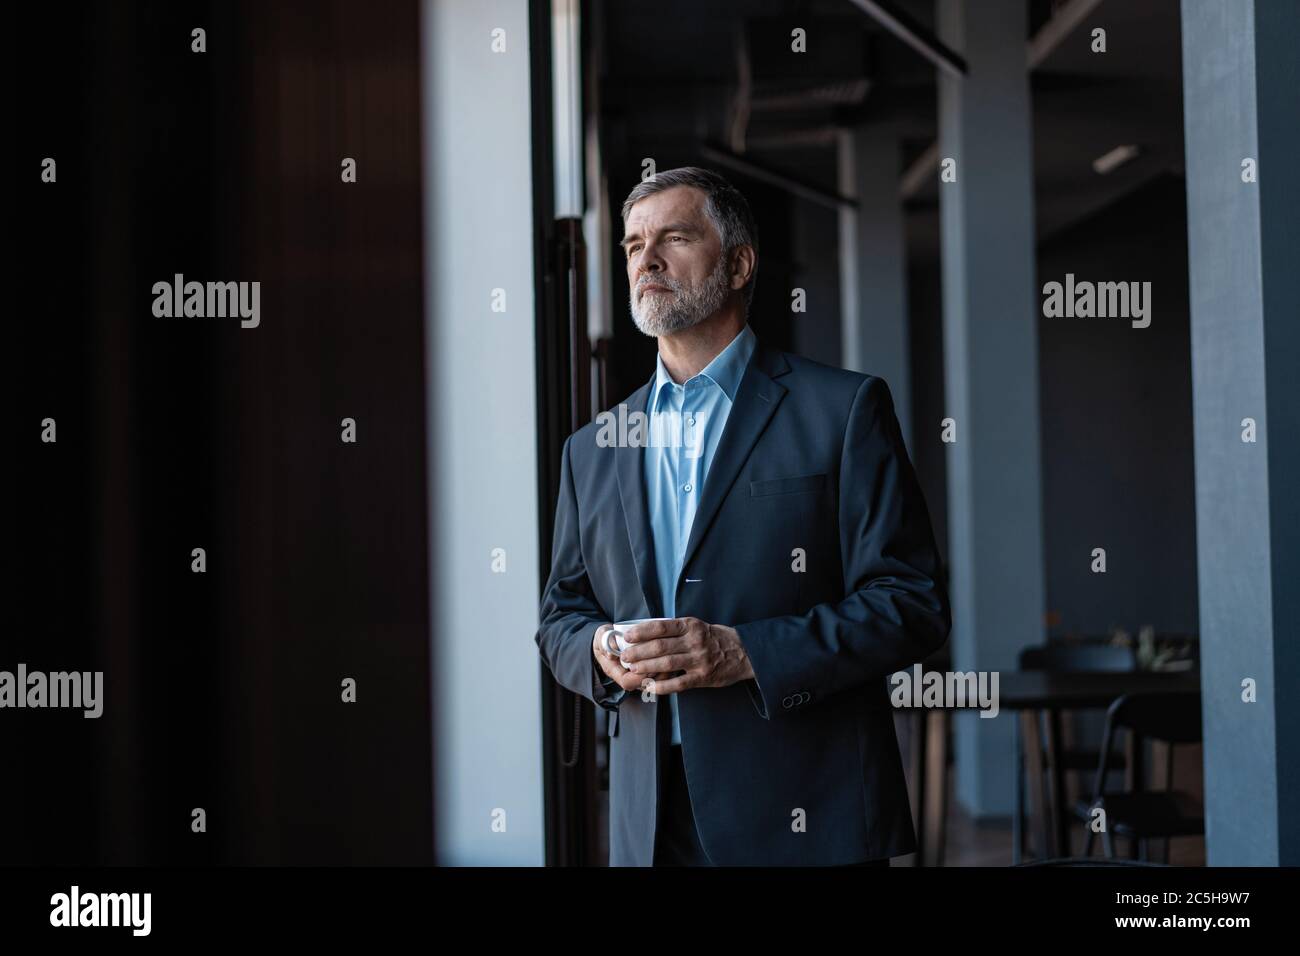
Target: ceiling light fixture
[(1116, 158)]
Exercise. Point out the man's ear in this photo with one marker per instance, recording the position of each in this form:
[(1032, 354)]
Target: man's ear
[(743, 260)]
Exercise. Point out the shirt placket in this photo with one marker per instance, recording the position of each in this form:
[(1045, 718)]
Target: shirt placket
[(687, 469)]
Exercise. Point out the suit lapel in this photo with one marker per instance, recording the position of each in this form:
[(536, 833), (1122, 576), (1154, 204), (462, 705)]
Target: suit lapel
[(630, 466), (756, 401)]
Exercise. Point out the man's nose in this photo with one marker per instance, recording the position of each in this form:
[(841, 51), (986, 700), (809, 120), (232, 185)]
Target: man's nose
[(649, 260)]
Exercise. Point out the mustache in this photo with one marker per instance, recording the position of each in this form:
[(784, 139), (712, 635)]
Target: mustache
[(671, 285)]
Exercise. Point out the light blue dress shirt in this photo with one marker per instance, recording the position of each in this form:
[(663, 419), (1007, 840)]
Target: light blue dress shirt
[(686, 423)]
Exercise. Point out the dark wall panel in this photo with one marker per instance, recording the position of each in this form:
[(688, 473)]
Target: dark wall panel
[(222, 688)]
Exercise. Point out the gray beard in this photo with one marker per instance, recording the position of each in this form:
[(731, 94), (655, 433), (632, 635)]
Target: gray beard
[(688, 305)]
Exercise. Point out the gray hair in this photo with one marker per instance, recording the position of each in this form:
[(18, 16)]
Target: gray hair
[(724, 204)]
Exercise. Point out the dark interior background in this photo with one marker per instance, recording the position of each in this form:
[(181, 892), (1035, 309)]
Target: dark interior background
[(222, 689)]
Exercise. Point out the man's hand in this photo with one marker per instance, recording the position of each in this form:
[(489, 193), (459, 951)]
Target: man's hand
[(626, 679), (684, 652)]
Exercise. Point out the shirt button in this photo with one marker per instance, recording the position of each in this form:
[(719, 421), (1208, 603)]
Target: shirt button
[(686, 488), (690, 421)]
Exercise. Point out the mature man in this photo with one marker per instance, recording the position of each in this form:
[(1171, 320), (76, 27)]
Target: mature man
[(781, 533)]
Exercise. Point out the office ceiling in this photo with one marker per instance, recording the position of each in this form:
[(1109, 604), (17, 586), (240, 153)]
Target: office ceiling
[(673, 75)]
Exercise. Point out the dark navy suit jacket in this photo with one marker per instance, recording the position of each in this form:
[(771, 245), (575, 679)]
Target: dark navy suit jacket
[(799, 766)]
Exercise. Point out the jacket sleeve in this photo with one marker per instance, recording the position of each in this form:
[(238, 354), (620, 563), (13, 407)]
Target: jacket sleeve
[(895, 611), (569, 613)]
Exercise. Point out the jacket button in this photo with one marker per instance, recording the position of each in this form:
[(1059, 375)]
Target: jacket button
[(788, 702), (806, 697)]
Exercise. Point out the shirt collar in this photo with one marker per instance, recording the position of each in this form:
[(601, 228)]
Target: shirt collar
[(725, 371)]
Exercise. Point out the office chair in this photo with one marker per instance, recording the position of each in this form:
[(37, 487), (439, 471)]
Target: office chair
[(1142, 815), (1063, 658)]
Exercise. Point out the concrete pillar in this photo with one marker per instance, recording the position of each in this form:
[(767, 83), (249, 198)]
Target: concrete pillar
[(990, 316), (873, 264), (1241, 106)]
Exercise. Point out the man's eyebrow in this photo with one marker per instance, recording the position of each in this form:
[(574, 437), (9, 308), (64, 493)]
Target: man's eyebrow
[(671, 227)]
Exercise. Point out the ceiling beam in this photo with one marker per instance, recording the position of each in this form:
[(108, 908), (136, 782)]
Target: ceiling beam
[(1056, 29), (901, 25), (774, 177)]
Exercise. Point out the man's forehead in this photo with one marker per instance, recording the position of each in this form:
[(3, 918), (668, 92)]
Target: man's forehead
[(677, 202)]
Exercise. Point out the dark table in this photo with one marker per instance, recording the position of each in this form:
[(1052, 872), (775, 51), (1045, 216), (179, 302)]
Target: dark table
[(1085, 690), (1053, 693)]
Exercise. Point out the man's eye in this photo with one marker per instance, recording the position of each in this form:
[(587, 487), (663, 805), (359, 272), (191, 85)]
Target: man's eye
[(676, 238)]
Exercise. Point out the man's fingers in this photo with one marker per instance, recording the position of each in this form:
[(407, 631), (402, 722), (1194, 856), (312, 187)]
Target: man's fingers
[(672, 685), (663, 664), (650, 649), (632, 681), (598, 640), (614, 669), (609, 663), (652, 629)]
